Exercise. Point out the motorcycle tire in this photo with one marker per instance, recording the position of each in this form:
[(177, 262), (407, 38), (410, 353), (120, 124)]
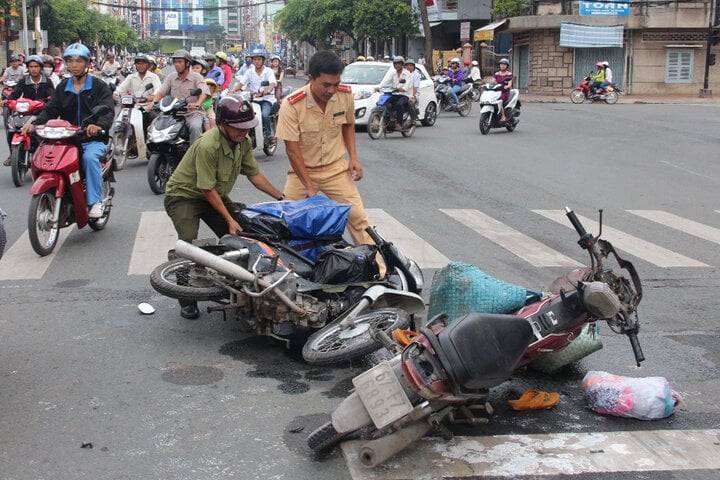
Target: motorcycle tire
[(431, 113), (375, 127), (173, 280), (122, 148), (333, 344), (20, 164), (611, 97), (159, 170), (485, 122), (325, 437), (408, 132), (43, 237), (474, 95), (577, 96), (98, 224), (464, 107), (268, 148)]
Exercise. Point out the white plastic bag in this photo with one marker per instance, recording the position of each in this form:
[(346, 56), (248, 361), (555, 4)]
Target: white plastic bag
[(645, 398)]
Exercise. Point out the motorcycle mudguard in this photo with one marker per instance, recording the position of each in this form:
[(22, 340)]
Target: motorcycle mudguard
[(19, 138), (384, 98), (136, 120), (383, 297), (487, 108), (48, 181), (350, 415)]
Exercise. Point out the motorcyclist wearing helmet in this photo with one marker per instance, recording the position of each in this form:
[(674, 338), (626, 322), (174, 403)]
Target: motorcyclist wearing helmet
[(400, 79), (49, 69), (199, 187), (214, 71), (262, 95), (505, 77), (415, 92), (475, 74), (199, 65), (136, 83), (597, 78), (608, 75), (73, 100), (179, 84), (15, 71), (279, 73), (154, 68), (222, 60), (110, 66), (456, 80)]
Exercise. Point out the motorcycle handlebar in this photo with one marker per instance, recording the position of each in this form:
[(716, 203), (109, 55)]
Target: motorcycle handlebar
[(575, 222), (637, 349)]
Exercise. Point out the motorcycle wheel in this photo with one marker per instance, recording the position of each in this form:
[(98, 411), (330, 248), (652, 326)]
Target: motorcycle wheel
[(485, 120), (431, 113), (325, 437), (271, 149), (183, 279), (474, 95), (464, 107), (334, 344), (122, 147), (409, 132), (577, 96), (375, 125), (611, 97), (20, 162), (158, 172), (98, 224), (43, 235)]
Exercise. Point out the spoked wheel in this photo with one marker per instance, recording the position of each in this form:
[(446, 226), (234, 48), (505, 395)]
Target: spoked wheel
[(577, 96), (43, 232), (485, 121), (431, 113), (98, 224), (325, 437), (611, 97), (20, 162), (465, 107), (122, 149), (185, 280), (158, 172), (375, 126), (335, 344), (408, 132)]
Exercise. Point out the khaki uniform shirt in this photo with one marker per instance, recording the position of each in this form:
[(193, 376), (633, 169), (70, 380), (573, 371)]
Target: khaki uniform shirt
[(209, 164), (319, 133)]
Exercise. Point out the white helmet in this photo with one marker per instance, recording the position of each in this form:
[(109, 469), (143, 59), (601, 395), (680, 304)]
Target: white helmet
[(454, 60)]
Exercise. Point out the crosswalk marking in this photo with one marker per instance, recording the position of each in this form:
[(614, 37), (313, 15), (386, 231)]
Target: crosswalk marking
[(21, 262), (540, 455), (696, 229), (155, 236), (407, 241), (638, 247), (527, 248)]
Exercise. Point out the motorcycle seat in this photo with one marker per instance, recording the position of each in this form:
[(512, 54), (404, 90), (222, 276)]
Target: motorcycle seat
[(481, 350)]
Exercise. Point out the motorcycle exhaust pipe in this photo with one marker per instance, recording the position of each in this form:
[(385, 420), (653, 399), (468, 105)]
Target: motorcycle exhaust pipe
[(375, 452), (202, 257)]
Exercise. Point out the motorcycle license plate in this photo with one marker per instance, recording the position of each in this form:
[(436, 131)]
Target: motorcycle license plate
[(383, 396)]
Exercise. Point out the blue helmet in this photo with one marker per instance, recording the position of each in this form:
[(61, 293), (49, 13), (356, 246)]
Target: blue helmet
[(77, 50), (34, 58), (505, 61), (257, 52)]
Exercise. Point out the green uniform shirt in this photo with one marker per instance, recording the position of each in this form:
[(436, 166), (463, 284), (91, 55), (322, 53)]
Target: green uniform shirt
[(209, 164)]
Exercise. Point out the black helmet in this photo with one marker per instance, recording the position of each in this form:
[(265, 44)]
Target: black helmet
[(233, 110), (182, 53)]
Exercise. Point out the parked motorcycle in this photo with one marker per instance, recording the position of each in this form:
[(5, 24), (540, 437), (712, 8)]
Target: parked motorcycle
[(168, 138), (58, 192), (22, 146), (382, 118), (442, 93), (444, 374), (260, 279), (490, 112), (583, 92), (127, 131)]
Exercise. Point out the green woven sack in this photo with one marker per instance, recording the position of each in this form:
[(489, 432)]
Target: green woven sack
[(586, 343), (460, 288)]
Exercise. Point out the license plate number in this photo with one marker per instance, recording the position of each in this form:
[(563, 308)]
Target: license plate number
[(383, 396)]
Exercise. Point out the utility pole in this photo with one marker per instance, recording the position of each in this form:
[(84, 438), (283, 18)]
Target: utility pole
[(26, 50), (712, 39)]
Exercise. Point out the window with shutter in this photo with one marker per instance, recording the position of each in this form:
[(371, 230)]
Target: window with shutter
[(679, 65)]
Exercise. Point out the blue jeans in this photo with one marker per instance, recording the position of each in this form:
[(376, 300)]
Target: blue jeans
[(453, 93), (604, 84), (92, 153), (265, 108)]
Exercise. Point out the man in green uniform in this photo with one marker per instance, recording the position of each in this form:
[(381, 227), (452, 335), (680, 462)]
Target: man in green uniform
[(199, 187)]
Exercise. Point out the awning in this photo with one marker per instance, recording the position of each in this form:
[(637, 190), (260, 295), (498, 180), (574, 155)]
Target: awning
[(487, 32)]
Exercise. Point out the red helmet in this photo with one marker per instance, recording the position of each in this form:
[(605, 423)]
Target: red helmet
[(234, 111), (467, 62)]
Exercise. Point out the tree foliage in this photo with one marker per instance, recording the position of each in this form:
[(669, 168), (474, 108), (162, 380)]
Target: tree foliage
[(511, 8), (70, 21), (315, 21)]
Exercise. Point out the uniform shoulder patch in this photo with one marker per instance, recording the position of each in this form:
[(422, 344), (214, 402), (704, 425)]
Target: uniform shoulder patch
[(296, 97), (344, 88)]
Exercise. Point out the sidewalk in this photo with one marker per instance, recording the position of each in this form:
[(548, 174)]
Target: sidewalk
[(659, 99)]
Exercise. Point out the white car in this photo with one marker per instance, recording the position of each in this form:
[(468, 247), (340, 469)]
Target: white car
[(364, 77)]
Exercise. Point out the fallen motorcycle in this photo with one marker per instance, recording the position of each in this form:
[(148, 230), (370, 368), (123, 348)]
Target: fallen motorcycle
[(266, 279), (443, 375)]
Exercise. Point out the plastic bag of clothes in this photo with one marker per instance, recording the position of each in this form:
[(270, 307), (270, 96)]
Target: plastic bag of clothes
[(645, 398)]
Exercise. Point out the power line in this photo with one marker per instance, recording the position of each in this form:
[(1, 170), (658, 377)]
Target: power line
[(186, 9)]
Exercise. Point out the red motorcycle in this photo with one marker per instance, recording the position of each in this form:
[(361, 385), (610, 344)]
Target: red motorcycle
[(583, 92), (22, 146), (7, 88), (443, 375), (58, 192)]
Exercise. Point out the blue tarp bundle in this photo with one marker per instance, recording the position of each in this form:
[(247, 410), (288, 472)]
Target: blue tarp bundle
[(311, 217)]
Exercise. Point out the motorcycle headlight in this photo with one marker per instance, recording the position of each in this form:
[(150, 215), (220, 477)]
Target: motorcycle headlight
[(600, 300), (22, 107)]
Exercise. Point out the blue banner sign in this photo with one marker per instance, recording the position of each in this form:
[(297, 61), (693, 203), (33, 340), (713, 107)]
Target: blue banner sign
[(606, 9)]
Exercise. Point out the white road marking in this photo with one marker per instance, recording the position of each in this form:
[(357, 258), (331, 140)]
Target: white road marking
[(20, 262), (527, 248), (545, 454), (407, 241), (655, 254), (155, 236), (690, 227)]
